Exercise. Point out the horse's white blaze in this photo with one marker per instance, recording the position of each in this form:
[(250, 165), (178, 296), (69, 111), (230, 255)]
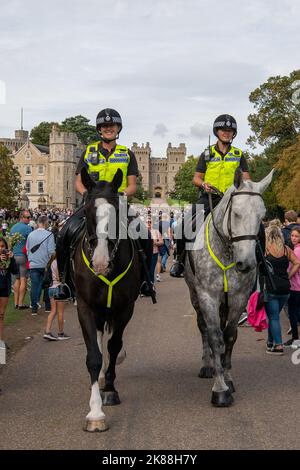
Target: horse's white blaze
[(101, 256), (96, 412)]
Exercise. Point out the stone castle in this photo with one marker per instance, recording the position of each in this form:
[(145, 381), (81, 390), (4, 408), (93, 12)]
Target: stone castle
[(48, 173)]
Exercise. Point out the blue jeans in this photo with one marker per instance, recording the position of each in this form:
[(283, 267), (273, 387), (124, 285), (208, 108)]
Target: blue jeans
[(36, 276), (153, 266), (273, 305)]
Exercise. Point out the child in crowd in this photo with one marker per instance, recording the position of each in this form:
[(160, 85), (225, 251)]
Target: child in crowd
[(294, 299), (8, 267), (57, 307)]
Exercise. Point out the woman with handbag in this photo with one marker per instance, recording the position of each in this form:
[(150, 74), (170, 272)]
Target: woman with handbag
[(278, 256)]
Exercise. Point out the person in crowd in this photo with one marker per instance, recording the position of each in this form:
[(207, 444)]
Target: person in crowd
[(8, 267), (290, 222), (20, 284), (164, 249), (294, 299), (158, 241), (278, 256), (40, 246), (57, 307)]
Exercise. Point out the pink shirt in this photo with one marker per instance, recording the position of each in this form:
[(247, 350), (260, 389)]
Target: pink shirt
[(295, 280)]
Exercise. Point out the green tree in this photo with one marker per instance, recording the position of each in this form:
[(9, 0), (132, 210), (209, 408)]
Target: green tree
[(287, 185), (41, 133), (10, 182), (141, 194), (277, 111), (184, 188), (85, 132)]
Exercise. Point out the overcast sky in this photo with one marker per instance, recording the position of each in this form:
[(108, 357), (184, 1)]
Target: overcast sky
[(168, 66)]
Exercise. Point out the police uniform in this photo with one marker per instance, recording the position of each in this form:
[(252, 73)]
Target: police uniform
[(102, 165), (219, 170)]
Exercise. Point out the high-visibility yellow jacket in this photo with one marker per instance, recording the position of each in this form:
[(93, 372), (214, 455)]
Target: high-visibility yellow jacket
[(220, 169), (102, 169)]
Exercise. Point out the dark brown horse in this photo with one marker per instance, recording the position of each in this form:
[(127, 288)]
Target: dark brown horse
[(107, 280)]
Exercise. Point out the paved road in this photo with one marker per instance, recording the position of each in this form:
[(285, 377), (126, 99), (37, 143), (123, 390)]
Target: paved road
[(164, 404)]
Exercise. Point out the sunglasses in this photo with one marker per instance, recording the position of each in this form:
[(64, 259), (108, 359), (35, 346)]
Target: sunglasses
[(26, 217)]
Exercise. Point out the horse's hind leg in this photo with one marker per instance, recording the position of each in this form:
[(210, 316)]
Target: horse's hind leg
[(207, 370), (95, 419)]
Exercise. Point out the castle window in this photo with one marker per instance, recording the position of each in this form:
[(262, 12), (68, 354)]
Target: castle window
[(28, 155), (166, 179), (40, 186), (143, 167), (158, 179), (176, 159), (140, 159), (27, 186), (40, 169), (173, 167), (28, 170)]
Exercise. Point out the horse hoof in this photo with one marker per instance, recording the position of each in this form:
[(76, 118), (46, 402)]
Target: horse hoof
[(230, 386), (98, 425), (110, 398), (206, 373), (222, 399)]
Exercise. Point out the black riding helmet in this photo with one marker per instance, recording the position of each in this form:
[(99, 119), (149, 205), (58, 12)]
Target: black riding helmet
[(227, 122), (108, 116)]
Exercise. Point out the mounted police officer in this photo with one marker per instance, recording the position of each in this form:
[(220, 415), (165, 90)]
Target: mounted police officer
[(102, 159), (215, 168)]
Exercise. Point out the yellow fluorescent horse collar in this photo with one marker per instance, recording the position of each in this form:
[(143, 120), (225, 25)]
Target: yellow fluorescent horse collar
[(219, 263), (112, 283)]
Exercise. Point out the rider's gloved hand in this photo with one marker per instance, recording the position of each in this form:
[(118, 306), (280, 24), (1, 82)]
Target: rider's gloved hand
[(207, 187)]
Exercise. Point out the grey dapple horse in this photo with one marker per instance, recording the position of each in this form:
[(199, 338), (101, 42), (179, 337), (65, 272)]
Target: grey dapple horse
[(237, 219)]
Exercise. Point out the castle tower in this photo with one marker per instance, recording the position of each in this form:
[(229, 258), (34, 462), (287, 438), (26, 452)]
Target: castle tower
[(143, 155), (62, 166), (176, 158)]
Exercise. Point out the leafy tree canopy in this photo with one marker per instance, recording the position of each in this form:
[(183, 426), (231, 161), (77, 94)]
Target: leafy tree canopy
[(277, 106), (10, 182), (184, 187), (40, 134), (80, 126)]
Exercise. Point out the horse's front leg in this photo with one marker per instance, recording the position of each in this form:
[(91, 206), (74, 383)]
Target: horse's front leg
[(230, 337), (109, 394), (221, 395), (95, 419)]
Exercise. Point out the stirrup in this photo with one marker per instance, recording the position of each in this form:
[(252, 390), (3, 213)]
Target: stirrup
[(64, 293), (177, 269)]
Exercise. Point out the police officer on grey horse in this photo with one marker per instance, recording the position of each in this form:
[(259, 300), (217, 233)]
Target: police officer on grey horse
[(102, 159), (215, 170)]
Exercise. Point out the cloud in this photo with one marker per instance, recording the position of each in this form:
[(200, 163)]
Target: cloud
[(161, 130), (200, 131), (159, 64)]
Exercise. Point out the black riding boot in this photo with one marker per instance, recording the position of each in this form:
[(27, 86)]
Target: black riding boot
[(66, 243), (177, 268)]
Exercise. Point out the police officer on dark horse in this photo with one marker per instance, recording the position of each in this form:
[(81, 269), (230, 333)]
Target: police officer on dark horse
[(102, 159)]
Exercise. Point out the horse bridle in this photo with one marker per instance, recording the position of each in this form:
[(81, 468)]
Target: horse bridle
[(89, 238), (228, 241)]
